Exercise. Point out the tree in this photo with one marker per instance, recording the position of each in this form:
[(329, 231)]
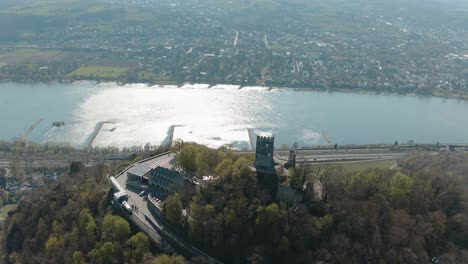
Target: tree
[(78, 258), (106, 253), (87, 225), (188, 158), (400, 187), (241, 168), (224, 168), (298, 177), (115, 228), (91, 230), (269, 220), (121, 229), (165, 259), (326, 223), (172, 209), (210, 157), (105, 169), (283, 247), (138, 245), (195, 222), (53, 245), (247, 180)]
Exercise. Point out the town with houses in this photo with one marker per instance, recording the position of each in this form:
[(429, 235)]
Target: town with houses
[(374, 51)]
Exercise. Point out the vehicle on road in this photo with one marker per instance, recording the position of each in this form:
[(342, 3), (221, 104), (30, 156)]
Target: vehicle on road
[(127, 207), (142, 193)]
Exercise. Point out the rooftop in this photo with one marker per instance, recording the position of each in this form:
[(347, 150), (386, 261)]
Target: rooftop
[(139, 169), (167, 160)]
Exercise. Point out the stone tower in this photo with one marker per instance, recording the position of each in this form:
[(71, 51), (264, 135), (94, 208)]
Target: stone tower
[(291, 159), (265, 165)]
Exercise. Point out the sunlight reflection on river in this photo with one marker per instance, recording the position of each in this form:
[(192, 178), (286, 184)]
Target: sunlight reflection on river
[(138, 114)]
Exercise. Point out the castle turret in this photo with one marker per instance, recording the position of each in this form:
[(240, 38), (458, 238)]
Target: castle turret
[(265, 165)]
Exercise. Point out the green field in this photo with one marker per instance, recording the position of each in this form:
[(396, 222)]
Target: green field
[(100, 72), (6, 209), (28, 52), (23, 56)]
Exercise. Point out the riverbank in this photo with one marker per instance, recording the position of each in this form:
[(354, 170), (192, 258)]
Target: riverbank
[(436, 93)]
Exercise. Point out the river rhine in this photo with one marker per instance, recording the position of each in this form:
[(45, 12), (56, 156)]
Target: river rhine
[(138, 114)]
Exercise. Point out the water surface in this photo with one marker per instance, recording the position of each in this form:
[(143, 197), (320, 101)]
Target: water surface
[(139, 114)]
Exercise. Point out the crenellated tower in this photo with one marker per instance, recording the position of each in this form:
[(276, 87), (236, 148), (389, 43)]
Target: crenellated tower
[(265, 165)]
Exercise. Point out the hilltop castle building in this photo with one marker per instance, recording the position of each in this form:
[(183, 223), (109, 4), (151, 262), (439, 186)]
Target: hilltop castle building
[(265, 165), (267, 176)]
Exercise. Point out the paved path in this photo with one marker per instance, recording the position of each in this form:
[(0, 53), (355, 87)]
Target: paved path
[(394, 166)]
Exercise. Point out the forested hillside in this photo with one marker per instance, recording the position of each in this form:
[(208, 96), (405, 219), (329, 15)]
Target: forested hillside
[(410, 215), (72, 221)]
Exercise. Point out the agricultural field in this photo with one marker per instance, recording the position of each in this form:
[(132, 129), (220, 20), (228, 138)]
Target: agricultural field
[(97, 72), (29, 56)]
